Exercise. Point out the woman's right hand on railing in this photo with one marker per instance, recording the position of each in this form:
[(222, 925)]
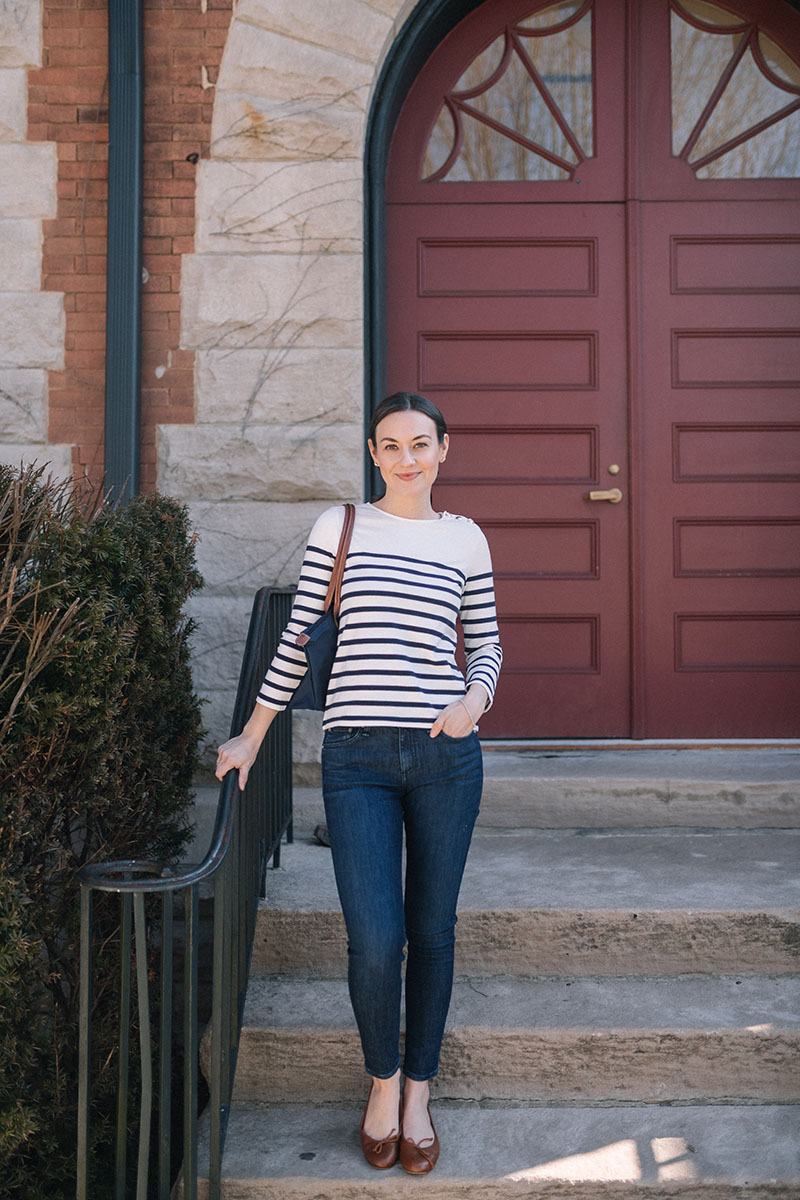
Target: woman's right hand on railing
[(240, 752)]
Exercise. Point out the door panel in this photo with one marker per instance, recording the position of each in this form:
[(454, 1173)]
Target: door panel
[(521, 341), (721, 372)]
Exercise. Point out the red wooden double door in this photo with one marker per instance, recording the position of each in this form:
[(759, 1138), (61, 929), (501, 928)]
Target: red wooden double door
[(594, 269)]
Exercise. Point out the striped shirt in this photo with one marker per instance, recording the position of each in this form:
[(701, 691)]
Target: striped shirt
[(405, 584)]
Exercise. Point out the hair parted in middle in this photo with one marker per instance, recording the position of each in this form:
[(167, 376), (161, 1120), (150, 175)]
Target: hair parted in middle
[(406, 402)]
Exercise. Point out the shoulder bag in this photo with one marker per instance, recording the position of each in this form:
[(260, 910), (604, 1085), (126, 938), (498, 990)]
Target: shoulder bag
[(318, 641)]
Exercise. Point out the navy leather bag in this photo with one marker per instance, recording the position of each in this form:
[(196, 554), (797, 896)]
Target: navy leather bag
[(318, 641)]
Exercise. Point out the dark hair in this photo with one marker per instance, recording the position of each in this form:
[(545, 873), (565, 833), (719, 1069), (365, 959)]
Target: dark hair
[(404, 402)]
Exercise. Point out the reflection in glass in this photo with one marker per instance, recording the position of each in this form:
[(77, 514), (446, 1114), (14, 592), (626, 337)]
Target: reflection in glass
[(543, 97), (778, 61), (556, 14), (483, 67), (517, 103), (489, 155), (440, 143), (748, 99), (710, 14), (698, 61), (701, 63), (772, 154), (564, 63)]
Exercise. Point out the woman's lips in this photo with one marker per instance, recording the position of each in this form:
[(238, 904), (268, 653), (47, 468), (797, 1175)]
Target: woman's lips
[(407, 475)]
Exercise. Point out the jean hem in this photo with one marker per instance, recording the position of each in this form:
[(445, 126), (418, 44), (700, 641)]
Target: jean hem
[(420, 1078), (381, 1074)]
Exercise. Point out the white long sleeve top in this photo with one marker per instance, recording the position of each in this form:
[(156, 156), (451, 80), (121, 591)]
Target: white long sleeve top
[(405, 584)]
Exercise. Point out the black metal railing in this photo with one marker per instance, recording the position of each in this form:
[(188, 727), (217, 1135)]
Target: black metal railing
[(247, 833)]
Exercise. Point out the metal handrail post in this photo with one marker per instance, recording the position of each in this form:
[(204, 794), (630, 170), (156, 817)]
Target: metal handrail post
[(121, 1169), (190, 1041), (84, 1042), (145, 1047), (165, 1046), (216, 1133)]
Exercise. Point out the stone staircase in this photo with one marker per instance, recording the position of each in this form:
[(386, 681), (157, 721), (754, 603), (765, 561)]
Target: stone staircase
[(626, 1016)]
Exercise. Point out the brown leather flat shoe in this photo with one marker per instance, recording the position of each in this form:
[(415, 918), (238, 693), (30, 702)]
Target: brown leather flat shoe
[(416, 1158), (382, 1153)]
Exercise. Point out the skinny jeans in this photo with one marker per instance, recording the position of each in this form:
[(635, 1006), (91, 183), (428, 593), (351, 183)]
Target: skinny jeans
[(378, 781)]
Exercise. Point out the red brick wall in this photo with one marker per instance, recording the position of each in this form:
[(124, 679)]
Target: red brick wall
[(68, 105)]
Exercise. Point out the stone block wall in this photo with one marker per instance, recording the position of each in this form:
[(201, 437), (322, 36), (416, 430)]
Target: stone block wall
[(31, 320)]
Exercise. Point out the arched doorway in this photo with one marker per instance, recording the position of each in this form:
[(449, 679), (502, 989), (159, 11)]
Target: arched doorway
[(594, 264)]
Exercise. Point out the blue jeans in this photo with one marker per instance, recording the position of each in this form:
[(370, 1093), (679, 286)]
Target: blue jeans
[(376, 781)]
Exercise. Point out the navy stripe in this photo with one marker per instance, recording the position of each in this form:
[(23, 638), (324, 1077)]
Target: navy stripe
[(377, 560), (349, 588)]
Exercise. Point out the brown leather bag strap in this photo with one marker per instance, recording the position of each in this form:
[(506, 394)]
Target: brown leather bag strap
[(335, 586)]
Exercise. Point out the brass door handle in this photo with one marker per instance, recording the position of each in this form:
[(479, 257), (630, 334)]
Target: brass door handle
[(614, 495)]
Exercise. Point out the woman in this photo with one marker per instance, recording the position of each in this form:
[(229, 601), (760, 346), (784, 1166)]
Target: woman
[(400, 750)]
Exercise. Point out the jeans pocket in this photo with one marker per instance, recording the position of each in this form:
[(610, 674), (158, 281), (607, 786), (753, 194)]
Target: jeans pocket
[(341, 735), (464, 737)]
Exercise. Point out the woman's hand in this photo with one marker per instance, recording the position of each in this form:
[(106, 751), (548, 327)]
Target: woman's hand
[(460, 718), (241, 751)]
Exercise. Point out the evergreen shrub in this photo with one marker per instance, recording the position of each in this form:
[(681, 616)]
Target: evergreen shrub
[(99, 732)]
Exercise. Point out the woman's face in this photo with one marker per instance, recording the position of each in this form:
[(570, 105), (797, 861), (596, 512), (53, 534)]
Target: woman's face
[(408, 452)]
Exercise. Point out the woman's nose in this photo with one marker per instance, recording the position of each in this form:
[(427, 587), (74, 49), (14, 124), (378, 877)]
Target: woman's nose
[(408, 455)]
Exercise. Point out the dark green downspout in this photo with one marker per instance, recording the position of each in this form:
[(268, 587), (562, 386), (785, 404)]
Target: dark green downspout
[(124, 270)]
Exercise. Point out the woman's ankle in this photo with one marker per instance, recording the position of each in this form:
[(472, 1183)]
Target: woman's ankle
[(417, 1091), (387, 1086)]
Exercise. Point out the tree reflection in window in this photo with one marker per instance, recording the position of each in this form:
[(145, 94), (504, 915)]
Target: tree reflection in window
[(523, 109), (735, 96)]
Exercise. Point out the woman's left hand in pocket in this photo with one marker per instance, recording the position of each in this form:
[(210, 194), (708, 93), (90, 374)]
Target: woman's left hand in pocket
[(455, 721)]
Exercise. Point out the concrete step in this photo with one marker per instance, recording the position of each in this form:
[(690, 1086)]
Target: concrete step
[(547, 789), (642, 788), (581, 1153), (577, 903), (644, 1040)]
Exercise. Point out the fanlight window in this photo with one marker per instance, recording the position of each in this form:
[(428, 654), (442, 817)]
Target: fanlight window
[(523, 109), (735, 97)]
